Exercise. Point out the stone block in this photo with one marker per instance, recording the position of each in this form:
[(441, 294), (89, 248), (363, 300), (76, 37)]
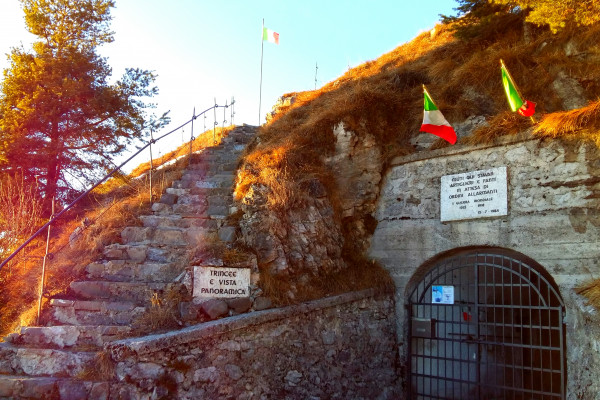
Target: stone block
[(112, 253), (39, 388), (133, 234), (161, 208), (218, 211), (72, 390), (209, 374), (240, 304), (99, 391), (215, 308), (262, 303), (188, 311), (169, 236), (234, 372), (137, 253), (168, 198), (227, 234)]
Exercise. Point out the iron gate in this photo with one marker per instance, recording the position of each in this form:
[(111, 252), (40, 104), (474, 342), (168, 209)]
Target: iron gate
[(486, 324)]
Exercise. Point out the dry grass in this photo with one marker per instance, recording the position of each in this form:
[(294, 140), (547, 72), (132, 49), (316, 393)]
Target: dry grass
[(591, 290), (359, 275), (100, 218), (384, 98), (103, 370), (582, 123), (162, 314)]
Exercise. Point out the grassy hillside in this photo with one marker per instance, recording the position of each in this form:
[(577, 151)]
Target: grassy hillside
[(384, 98)]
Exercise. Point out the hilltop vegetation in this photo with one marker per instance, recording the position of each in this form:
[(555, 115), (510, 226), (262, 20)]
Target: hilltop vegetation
[(459, 61)]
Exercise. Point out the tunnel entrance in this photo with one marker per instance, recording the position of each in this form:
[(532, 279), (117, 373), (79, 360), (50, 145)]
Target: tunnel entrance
[(485, 324)]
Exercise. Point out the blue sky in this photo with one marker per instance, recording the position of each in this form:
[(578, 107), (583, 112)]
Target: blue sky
[(206, 49)]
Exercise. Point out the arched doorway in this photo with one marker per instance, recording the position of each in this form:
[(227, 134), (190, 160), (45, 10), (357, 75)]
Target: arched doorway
[(485, 323)]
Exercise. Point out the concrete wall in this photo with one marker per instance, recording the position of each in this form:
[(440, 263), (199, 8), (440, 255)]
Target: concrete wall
[(553, 218), (342, 347)]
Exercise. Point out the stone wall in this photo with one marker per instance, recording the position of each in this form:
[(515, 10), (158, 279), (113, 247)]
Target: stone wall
[(553, 218), (342, 347)]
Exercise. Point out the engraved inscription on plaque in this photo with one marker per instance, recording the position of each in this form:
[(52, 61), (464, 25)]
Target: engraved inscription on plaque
[(221, 282), (476, 194)]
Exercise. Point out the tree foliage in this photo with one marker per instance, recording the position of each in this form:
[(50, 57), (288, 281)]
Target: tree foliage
[(482, 19), (558, 14), (473, 16), (60, 118)]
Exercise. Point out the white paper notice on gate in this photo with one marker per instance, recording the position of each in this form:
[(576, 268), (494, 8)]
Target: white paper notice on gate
[(442, 294)]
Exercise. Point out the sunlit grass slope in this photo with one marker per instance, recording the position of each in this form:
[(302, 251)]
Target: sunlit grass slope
[(101, 218), (384, 98)]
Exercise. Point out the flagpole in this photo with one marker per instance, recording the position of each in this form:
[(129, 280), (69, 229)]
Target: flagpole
[(428, 95), (533, 121), (262, 45)]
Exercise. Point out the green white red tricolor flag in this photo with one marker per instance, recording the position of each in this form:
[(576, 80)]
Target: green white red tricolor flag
[(270, 36), (434, 121), (525, 108)]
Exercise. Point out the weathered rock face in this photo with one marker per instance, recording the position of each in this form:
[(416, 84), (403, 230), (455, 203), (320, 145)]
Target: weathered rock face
[(570, 91), (294, 242), (357, 169), (308, 239), (283, 101)]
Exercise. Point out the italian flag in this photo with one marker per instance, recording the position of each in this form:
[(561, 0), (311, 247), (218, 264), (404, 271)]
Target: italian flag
[(525, 108), (270, 36), (434, 122)]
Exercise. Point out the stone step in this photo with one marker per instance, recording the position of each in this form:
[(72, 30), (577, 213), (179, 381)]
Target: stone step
[(195, 175), (210, 168), (87, 312), (67, 336), (178, 221), (216, 181), (220, 200), (217, 212), (129, 271), (143, 252), (171, 236), (49, 388), (38, 362), (137, 292), (192, 199)]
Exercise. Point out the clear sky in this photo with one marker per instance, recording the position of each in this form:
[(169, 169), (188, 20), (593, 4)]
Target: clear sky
[(205, 49)]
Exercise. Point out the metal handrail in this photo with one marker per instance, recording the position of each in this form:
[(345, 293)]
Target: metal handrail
[(81, 196)]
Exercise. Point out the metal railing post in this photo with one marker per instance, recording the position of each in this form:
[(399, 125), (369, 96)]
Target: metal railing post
[(39, 311), (192, 137), (151, 165), (232, 109), (215, 124), (224, 116)]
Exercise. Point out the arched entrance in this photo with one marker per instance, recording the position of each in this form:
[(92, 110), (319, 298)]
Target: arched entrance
[(485, 323)]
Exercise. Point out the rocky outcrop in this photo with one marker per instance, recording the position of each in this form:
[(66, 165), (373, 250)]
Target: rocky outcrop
[(296, 242), (282, 103), (308, 239), (356, 164)]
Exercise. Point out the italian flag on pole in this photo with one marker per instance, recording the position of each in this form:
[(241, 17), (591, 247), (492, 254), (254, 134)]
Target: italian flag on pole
[(434, 122), (525, 108), (270, 36)]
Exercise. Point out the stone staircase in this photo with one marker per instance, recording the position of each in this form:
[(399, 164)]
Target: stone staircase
[(63, 360)]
